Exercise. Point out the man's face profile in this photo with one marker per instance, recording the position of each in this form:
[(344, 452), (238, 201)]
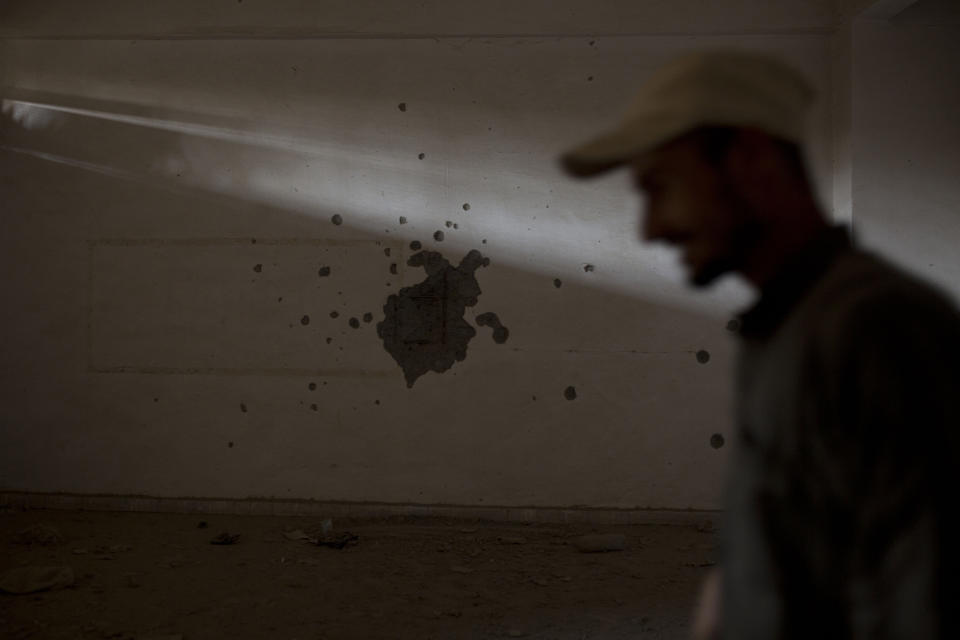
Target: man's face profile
[(690, 203)]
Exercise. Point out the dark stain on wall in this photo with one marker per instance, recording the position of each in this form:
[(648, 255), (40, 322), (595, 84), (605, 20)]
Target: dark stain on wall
[(423, 327), (490, 319)]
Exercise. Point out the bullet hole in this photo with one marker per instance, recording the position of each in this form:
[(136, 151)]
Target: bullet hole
[(733, 326), (534, 398), (368, 317), (393, 268), (415, 245), (403, 219), (438, 236), (500, 332), (323, 272), (557, 283), (456, 226), (305, 320), (592, 42), (588, 268), (312, 386), (334, 314), (386, 252), (337, 219), (253, 241), (422, 156), (449, 224), (258, 268), (589, 78), (466, 206), (703, 356), (156, 399), (354, 323), (716, 440), (280, 299), (313, 407), (243, 408), (484, 241), (376, 402), (485, 262), (402, 106), (570, 393), (329, 340), (230, 445)]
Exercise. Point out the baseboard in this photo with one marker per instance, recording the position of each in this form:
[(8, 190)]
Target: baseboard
[(310, 508)]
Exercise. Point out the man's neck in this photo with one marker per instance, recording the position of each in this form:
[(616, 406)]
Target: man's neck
[(779, 247)]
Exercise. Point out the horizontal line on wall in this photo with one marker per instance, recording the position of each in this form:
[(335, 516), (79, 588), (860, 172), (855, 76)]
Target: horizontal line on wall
[(239, 371), (232, 241), (312, 508), (257, 34)]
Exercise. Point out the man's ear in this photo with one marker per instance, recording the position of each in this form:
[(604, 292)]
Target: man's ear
[(753, 165)]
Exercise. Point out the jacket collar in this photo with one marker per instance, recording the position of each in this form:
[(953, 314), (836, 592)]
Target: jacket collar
[(779, 296)]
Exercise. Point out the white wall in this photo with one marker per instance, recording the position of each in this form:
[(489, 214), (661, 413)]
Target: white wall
[(906, 141), (143, 152)]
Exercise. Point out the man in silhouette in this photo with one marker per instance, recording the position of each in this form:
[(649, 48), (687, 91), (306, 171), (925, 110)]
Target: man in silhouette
[(839, 515)]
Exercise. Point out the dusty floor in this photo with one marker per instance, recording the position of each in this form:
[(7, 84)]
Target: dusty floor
[(141, 575)]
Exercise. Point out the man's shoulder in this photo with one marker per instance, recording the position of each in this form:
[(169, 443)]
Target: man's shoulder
[(862, 288)]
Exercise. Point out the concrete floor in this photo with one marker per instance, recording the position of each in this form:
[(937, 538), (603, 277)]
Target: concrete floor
[(143, 575)]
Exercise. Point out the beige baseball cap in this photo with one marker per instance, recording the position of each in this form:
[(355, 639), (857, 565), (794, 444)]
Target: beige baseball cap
[(711, 87)]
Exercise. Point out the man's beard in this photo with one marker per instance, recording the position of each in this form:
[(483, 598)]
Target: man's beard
[(741, 241)]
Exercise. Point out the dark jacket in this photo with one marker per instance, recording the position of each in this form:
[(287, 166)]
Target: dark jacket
[(840, 502)]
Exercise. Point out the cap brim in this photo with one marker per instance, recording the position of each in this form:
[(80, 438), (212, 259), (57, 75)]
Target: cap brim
[(602, 154)]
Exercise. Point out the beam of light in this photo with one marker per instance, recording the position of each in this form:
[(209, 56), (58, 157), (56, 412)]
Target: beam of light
[(558, 242)]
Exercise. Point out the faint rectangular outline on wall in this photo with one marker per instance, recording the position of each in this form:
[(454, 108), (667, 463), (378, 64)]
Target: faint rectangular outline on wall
[(93, 244)]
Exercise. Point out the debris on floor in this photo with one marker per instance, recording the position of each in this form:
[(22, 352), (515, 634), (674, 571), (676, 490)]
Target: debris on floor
[(226, 538), (336, 540), (413, 578), (33, 579), (39, 534)]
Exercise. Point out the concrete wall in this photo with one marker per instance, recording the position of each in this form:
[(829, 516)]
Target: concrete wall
[(169, 176), (906, 140)]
